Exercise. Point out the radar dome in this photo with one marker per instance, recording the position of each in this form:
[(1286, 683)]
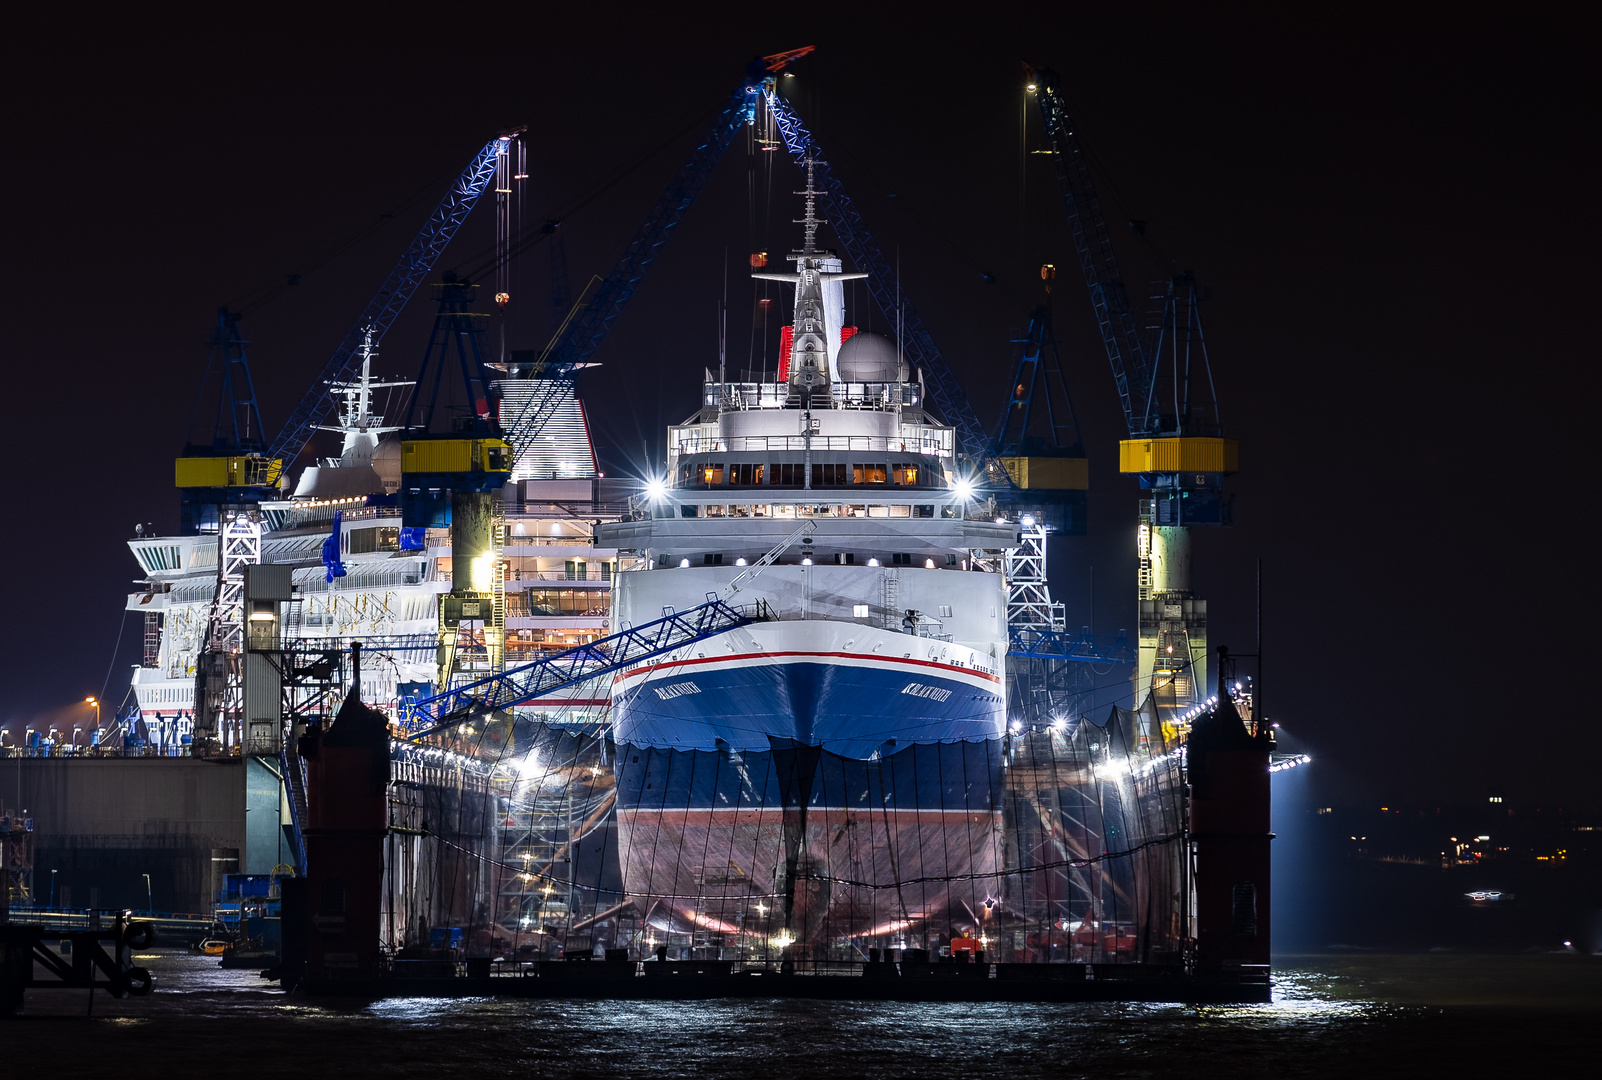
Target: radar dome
[(869, 358), (387, 464)]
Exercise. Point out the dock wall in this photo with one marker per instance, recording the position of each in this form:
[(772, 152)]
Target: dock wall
[(103, 823)]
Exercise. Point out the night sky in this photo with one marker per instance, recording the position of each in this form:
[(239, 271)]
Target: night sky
[(1394, 216)]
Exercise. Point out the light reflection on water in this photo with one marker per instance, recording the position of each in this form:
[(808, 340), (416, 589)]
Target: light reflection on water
[(1319, 1023)]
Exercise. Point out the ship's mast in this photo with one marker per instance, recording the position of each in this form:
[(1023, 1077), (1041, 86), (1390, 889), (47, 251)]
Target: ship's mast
[(358, 426), (811, 221), (365, 393)]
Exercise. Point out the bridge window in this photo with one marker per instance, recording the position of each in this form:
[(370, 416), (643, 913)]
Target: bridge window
[(383, 538), (906, 474), (831, 475), (712, 474), (746, 474), (788, 474), (868, 474)]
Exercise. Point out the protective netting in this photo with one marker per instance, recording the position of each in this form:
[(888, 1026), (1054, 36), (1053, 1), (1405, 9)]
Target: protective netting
[(538, 837)]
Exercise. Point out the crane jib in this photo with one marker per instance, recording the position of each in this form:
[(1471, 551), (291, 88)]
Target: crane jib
[(381, 311), (1109, 297), (848, 225), (589, 328)]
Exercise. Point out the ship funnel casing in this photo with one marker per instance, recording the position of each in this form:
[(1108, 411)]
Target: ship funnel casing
[(809, 360), (870, 358)]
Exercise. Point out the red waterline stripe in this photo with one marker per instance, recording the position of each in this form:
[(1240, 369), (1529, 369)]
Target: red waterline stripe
[(796, 652), (774, 816)]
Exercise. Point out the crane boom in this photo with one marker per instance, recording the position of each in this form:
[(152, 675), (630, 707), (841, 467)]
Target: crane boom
[(1175, 447), (586, 331), (1114, 316), (866, 254), (391, 297)]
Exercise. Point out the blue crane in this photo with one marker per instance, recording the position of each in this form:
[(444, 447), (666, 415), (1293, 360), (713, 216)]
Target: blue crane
[(415, 265), (1049, 471), (586, 330), (1175, 444), (867, 256), (1168, 438), (589, 327), (222, 464)]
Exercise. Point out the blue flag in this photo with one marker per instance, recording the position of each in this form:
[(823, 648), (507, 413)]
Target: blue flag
[(331, 559)]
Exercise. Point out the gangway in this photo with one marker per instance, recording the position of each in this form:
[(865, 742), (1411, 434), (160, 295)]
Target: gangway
[(674, 630)]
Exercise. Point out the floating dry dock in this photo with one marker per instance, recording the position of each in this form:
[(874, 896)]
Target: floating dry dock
[(896, 980)]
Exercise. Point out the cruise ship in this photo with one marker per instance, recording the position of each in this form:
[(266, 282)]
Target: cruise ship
[(360, 576), (831, 774)]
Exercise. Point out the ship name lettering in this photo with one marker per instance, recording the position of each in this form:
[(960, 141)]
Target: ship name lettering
[(668, 693), (934, 693)]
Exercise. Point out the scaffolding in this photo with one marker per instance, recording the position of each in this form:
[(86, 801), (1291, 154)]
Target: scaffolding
[(1061, 842)]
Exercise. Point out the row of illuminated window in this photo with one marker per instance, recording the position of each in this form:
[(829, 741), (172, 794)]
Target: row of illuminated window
[(548, 639), (794, 474), (838, 558), (532, 568), (558, 602), (914, 439), (167, 557), (788, 510)]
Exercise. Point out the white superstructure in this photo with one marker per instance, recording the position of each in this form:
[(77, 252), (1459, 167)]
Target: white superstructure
[(557, 582)]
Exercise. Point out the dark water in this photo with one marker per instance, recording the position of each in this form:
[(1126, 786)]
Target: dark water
[(1418, 1016)]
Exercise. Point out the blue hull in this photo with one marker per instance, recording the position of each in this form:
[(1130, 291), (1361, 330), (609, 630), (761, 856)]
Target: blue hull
[(810, 798), (854, 706)]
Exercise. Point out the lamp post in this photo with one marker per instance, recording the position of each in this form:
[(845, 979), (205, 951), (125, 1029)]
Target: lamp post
[(52, 890), (148, 905)]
